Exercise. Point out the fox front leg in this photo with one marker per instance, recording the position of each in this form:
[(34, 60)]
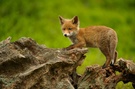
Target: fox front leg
[(78, 45)]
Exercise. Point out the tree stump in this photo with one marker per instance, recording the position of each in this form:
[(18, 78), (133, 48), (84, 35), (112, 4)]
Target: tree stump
[(24, 64)]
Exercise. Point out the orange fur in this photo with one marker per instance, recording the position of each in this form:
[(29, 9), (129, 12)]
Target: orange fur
[(101, 37)]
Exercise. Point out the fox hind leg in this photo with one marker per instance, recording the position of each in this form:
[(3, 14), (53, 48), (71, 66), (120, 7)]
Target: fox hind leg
[(112, 47), (105, 51), (113, 52), (114, 60)]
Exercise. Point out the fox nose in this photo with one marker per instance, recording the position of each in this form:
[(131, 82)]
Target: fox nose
[(65, 35)]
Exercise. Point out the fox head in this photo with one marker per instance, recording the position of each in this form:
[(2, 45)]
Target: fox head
[(69, 27)]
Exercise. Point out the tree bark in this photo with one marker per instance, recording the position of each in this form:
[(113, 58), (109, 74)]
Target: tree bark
[(24, 64)]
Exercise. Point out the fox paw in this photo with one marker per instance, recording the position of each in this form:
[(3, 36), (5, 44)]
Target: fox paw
[(111, 64)]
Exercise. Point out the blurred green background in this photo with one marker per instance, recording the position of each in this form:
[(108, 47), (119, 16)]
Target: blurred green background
[(38, 19)]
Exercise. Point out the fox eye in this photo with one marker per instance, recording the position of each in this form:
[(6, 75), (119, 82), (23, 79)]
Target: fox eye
[(69, 28), (63, 28)]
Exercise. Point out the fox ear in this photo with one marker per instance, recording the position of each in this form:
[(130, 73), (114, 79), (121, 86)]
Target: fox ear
[(75, 20), (61, 20)]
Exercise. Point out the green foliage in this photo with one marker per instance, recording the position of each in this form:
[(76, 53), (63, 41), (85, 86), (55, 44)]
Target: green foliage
[(38, 19)]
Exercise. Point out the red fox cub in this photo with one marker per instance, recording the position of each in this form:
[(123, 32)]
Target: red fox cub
[(101, 37)]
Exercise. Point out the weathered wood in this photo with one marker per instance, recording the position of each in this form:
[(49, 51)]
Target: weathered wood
[(26, 65)]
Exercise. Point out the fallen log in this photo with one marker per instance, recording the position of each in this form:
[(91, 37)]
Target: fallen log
[(24, 64)]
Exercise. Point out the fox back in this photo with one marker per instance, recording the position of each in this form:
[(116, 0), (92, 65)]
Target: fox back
[(101, 37)]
